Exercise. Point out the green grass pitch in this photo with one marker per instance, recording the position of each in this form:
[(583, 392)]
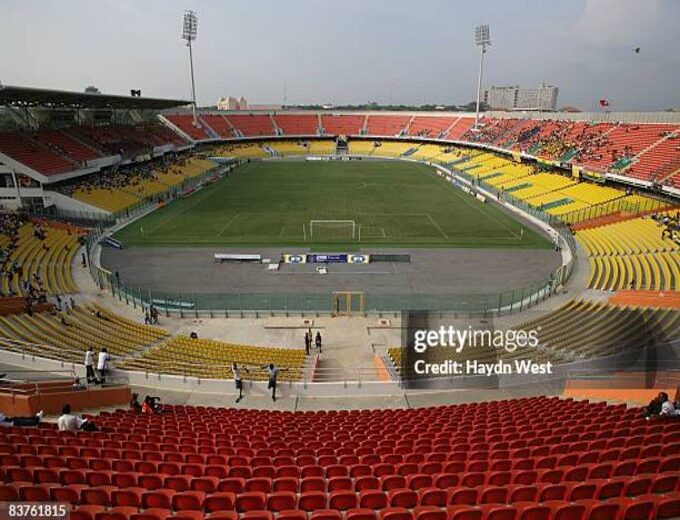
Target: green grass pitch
[(393, 204)]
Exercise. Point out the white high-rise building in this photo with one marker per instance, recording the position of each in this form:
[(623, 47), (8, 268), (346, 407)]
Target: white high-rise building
[(231, 103), (514, 97)]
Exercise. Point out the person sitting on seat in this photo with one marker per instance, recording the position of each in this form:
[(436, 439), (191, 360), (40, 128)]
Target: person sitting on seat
[(151, 405), (134, 403)]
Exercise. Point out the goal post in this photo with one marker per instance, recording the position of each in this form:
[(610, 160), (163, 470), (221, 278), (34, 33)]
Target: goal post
[(329, 230)]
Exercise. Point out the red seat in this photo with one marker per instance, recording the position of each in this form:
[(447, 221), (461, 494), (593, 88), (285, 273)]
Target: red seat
[(312, 500), (326, 514), (250, 501), (406, 498), (342, 500), (372, 499), (232, 485), (339, 484), (433, 497), (286, 484), (569, 512), (220, 501), (95, 496), (638, 510), (188, 501), (533, 512), (34, 494), (464, 512), (366, 482), (127, 497), (262, 484), (494, 495), (603, 511), (463, 497), (291, 514), (85, 512), (430, 513), (357, 514), (498, 512), (395, 513), (157, 499), (65, 494), (281, 501), (668, 507), (258, 515), (177, 482)]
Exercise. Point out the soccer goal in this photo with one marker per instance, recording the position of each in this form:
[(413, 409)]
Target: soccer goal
[(332, 230)]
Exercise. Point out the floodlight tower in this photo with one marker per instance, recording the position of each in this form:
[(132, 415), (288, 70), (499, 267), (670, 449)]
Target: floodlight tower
[(189, 34), (482, 40)]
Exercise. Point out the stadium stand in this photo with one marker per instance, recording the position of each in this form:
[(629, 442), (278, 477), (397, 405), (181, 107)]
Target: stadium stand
[(219, 124), (659, 163), (212, 359), (38, 254), (119, 189), (251, 125), (430, 126), (631, 255), (518, 459), (21, 147), (65, 336), (577, 330), (342, 124), (459, 128), (185, 123), (297, 124), (379, 125), (67, 146)]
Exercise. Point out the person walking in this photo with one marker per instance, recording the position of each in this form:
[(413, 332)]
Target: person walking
[(273, 376), (318, 341), (308, 343), (238, 380), (89, 366)]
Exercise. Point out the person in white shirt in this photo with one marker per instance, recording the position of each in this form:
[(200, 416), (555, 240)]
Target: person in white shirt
[(89, 366), (237, 379), (103, 365), (68, 422), (273, 375)]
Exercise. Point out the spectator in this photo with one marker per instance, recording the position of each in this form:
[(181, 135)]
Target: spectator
[(67, 422), (77, 385), (654, 407), (103, 365), (89, 366), (20, 421), (151, 405)]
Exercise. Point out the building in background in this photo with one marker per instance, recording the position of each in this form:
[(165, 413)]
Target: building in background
[(231, 103), (514, 97)]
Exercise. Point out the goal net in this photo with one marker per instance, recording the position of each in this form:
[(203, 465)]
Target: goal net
[(332, 230)]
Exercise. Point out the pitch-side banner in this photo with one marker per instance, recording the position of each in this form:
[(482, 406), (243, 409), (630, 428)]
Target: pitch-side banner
[(295, 259), (344, 258)]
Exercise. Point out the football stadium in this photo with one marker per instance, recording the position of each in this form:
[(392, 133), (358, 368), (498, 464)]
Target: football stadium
[(321, 307)]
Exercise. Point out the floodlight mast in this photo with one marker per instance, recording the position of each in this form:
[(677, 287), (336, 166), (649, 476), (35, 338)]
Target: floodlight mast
[(482, 40), (189, 34)]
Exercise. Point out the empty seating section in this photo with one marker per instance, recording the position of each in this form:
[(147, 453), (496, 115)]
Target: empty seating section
[(459, 128), (185, 122), (433, 127), (342, 125), (297, 124), (219, 124), (212, 359), (366, 147), (321, 147), (525, 459), (241, 150), (393, 149), (22, 147), (631, 255), (46, 263), (289, 147), (577, 330), (426, 152), (67, 145), (379, 125), (251, 125), (81, 327)]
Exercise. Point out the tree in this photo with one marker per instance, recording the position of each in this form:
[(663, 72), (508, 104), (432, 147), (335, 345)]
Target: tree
[(91, 89)]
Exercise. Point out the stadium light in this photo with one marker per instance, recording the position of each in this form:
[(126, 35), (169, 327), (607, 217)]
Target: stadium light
[(482, 40), (189, 34)]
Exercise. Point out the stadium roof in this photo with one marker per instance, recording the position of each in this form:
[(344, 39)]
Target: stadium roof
[(26, 97)]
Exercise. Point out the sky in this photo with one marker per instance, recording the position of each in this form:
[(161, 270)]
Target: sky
[(348, 51)]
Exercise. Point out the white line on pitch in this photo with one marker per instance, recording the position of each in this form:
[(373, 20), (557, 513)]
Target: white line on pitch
[(228, 224)]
